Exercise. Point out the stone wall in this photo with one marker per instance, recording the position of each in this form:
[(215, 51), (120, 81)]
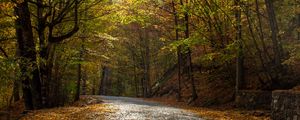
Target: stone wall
[(285, 105), (253, 99)]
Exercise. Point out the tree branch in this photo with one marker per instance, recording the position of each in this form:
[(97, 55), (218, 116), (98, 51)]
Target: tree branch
[(70, 33), (3, 51), (67, 35), (5, 39)]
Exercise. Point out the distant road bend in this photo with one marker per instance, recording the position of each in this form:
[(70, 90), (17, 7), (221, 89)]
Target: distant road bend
[(137, 109)]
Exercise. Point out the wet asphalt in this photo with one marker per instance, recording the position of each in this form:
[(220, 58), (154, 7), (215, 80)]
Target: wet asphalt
[(137, 109)]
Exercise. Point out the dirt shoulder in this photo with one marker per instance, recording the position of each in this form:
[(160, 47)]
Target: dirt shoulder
[(223, 112)]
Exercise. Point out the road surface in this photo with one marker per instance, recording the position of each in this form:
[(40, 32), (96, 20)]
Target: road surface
[(137, 109)]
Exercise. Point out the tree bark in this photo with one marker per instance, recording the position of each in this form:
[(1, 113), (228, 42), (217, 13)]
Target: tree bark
[(79, 77), (136, 83), (83, 72), (240, 57), (79, 74), (189, 54), (261, 33), (147, 65), (16, 92), (31, 85), (179, 54), (104, 81), (84, 85), (274, 29), (298, 26)]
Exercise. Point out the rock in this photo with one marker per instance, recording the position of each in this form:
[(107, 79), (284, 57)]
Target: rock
[(285, 105), (252, 99)]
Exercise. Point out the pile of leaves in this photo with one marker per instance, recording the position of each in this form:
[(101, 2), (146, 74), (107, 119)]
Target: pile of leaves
[(97, 111), (89, 107)]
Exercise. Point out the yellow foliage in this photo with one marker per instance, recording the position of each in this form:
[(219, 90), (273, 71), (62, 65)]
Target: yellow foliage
[(97, 111)]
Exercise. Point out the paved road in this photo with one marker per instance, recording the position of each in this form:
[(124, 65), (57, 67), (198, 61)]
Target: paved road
[(137, 109)]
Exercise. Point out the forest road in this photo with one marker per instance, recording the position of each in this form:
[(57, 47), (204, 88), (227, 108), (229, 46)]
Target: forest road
[(138, 109)]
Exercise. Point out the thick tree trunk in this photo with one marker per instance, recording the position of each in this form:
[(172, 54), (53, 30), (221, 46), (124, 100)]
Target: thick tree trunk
[(29, 71), (274, 28), (41, 26), (47, 50)]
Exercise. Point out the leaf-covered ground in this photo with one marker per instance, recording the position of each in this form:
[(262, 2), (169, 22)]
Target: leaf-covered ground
[(92, 112), (88, 108), (220, 112), (91, 109)]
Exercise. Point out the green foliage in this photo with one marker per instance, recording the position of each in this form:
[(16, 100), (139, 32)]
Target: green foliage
[(294, 50), (9, 74)]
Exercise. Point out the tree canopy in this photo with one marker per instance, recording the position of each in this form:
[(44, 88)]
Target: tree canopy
[(53, 51)]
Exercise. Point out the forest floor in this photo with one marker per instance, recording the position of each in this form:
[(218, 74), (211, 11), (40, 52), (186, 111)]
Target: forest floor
[(219, 112), (116, 108), (113, 108), (88, 108)]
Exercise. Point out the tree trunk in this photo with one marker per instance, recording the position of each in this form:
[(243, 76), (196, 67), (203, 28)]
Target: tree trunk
[(274, 28), (145, 54), (179, 54), (147, 65), (29, 71), (136, 83), (261, 33), (104, 81), (77, 95), (84, 73), (240, 57), (189, 55), (16, 92), (16, 88), (298, 27), (94, 87), (41, 26), (84, 78), (47, 49)]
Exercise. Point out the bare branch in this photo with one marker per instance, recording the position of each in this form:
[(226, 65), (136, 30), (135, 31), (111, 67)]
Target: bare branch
[(72, 32), (3, 51)]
